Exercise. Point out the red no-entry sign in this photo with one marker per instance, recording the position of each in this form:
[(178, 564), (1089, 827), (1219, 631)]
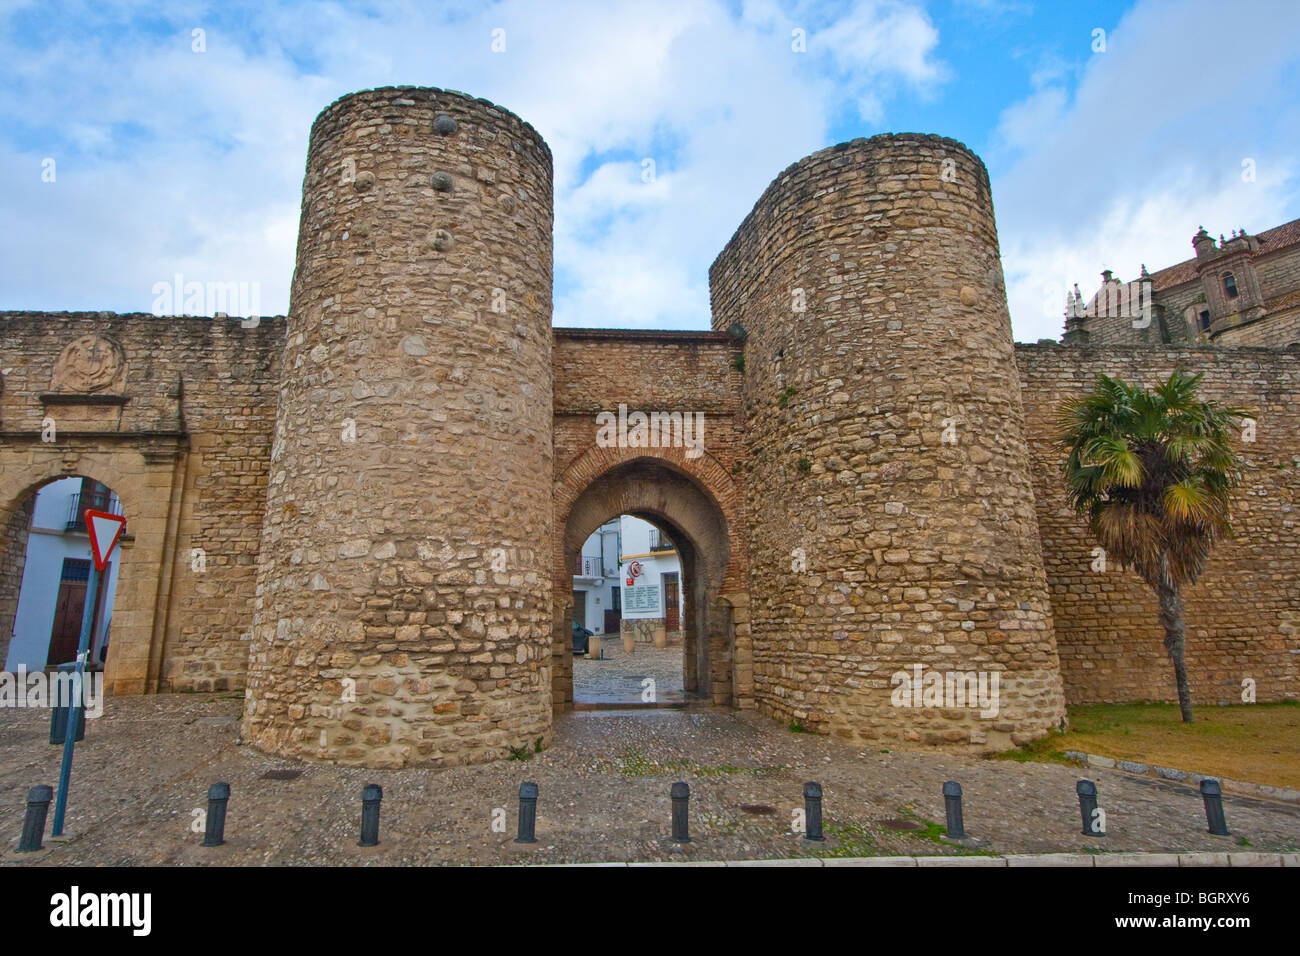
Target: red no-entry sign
[(104, 530)]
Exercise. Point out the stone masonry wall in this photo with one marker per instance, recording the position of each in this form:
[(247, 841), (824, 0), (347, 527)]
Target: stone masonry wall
[(363, 513), (201, 385), (1278, 275), (1243, 616), (658, 371), (11, 571), (1275, 330), (596, 369), (1279, 283), (404, 607), (891, 518)]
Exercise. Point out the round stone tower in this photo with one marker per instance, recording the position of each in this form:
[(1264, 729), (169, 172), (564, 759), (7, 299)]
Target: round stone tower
[(893, 542), (403, 611)]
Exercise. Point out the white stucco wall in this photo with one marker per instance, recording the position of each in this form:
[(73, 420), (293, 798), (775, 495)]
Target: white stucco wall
[(47, 546), (636, 536), (597, 594)]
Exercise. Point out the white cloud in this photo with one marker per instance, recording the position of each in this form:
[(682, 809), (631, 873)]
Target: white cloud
[(171, 161), (1147, 148)]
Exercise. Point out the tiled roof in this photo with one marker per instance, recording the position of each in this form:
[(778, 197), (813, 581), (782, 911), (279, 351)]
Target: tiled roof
[(1279, 237)]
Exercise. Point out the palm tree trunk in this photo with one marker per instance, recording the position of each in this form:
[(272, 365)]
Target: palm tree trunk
[(1171, 616)]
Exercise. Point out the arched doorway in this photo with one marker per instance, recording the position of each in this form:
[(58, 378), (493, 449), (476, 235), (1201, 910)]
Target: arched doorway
[(44, 575), (664, 494)]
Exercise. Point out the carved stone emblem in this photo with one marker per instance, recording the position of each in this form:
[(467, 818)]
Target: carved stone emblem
[(91, 363)]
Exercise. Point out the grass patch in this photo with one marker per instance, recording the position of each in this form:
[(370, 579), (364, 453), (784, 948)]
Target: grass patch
[(936, 833), (852, 840), (1049, 749), (717, 824), (1256, 743)]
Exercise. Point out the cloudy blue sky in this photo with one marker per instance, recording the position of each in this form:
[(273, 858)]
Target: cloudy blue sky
[(169, 160)]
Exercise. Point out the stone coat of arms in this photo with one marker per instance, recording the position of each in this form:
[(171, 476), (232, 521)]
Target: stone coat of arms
[(91, 363)]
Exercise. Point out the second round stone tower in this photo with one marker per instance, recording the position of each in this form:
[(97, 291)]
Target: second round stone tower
[(403, 614), (896, 578)]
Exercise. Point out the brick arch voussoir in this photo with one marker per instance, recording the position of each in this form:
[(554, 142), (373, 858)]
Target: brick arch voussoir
[(591, 465)]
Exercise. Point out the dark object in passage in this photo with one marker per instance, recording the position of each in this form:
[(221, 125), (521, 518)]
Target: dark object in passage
[(580, 636)]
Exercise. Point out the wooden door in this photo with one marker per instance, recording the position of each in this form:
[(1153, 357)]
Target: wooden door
[(66, 633), (671, 602), (614, 613), (70, 606)]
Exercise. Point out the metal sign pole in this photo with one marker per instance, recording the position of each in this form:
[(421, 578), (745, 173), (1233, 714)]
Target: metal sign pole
[(74, 711)]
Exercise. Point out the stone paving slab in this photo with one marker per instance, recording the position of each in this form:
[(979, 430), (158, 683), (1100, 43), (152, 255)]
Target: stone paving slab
[(617, 676), (870, 861), (1203, 859), (1254, 859), (1058, 859), (147, 763), (1136, 859)]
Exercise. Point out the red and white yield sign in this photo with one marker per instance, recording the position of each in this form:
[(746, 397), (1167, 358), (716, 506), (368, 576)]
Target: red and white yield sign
[(104, 530)]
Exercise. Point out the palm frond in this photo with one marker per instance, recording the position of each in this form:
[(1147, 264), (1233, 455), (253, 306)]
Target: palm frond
[(1153, 471)]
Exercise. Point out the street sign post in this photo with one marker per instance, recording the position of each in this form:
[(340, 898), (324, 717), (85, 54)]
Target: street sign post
[(105, 529)]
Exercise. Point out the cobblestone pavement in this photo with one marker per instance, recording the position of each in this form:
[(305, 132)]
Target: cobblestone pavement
[(619, 678), (145, 766)]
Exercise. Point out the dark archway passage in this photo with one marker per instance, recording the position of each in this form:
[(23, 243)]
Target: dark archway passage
[(655, 491), (44, 570)]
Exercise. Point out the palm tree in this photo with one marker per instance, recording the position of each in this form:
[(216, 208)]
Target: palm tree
[(1152, 471)]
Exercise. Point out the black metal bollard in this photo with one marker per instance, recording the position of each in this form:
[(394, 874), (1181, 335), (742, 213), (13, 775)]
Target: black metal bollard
[(527, 813), (1212, 794), (812, 811), (38, 805), (214, 833), (60, 707), (1087, 791), (370, 799), (681, 794), (952, 807)]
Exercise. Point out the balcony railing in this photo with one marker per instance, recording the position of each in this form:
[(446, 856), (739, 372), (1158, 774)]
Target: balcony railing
[(98, 501), (588, 566), (658, 542)]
